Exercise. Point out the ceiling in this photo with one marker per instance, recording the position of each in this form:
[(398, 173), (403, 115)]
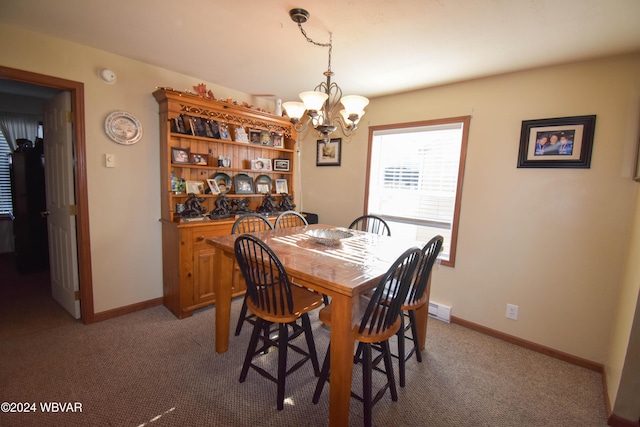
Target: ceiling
[(379, 46)]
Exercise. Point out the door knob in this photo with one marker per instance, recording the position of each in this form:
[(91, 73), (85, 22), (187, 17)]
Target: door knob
[(44, 214)]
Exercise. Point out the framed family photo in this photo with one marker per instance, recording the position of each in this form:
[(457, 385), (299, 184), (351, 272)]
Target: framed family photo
[(564, 142), (213, 186), (276, 140), (199, 159), (329, 153), (263, 184), (255, 136), (180, 155), (281, 186), (281, 165), (243, 184), (261, 164), (195, 187)]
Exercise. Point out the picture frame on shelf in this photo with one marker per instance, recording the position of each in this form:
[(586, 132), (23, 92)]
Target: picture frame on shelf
[(282, 186), (200, 127), (224, 182), (205, 123), (564, 142), (254, 136), (199, 159), (195, 187), (281, 165), (180, 156), (263, 188), (277, 141), (213, 186), (243, 184), (189, 125), (240, 134), (224, 131), (263, 184), (224, 162), (261, 164), (329, 153), (213, 127), (265, 137), (177, 125)]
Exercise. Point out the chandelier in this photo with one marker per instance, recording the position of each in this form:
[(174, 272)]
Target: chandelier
[(326, 107)]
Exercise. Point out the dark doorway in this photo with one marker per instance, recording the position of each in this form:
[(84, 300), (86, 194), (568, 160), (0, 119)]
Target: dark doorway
[(76, 89)]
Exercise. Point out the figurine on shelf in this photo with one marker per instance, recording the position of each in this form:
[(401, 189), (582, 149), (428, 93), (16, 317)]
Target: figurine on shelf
[(286, 203), (241, 134), (241, 206), (268, 205), (222, 209), (201, 90), (192, 207)]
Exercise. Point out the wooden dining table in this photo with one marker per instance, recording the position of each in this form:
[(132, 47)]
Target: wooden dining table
[(343, 271)]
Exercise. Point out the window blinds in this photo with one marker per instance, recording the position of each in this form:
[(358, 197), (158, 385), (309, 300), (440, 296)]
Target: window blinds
[(5, 180), (414, 173)]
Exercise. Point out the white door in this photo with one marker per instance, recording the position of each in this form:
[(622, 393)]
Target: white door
[(59, 177)]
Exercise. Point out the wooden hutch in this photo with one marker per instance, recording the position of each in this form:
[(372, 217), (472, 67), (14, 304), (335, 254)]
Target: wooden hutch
[(186, 258)]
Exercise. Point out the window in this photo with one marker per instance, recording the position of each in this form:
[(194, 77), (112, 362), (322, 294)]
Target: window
[(415, 179), (5, 181)]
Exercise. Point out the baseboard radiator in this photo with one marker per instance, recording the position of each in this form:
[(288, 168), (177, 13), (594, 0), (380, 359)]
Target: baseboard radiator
[(440, 311)]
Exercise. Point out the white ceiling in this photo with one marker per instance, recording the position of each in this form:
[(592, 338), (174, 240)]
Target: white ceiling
[(379, 46)]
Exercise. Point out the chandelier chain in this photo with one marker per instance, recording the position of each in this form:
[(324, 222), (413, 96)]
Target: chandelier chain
[(310, 40)]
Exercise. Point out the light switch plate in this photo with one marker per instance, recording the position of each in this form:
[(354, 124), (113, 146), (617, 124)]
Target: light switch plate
[(110, 160)]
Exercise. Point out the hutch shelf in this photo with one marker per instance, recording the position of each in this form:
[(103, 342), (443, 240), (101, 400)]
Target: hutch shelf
[(187, 259)]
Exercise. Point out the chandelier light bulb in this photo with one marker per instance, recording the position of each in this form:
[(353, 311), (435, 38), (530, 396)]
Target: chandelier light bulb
[(313, 100), (294, 110), (354, 104), (353, 117)]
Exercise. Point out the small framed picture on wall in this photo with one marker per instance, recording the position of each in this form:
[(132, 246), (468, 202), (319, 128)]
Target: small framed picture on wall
[(564, 142), (328, 153)]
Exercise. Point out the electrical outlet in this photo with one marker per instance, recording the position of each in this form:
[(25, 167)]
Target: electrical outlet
[(512, 312)]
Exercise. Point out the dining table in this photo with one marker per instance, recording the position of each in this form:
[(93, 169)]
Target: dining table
[(344, 270)]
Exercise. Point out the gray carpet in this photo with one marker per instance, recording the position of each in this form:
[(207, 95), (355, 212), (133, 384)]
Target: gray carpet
[(150, 369)]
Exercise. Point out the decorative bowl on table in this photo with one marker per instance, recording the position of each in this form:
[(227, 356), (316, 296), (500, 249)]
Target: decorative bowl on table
[(328, 236)]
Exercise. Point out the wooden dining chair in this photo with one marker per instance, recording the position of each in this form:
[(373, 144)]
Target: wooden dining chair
[(275, 301), (371, 224), (290, 219), (251, 222), (416, 298), (247, 223), (380, 321)]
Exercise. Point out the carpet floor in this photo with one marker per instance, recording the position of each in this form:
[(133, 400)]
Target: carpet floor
[(150, 369)]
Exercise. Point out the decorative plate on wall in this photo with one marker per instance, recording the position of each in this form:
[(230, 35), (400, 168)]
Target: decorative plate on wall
[(123, 128)]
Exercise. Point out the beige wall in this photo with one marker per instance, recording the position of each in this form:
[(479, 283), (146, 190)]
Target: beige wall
[(124, 202), (552, 241), (623, 364)]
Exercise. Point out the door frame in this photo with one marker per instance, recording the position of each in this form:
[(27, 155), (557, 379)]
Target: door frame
[(80, 176)]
